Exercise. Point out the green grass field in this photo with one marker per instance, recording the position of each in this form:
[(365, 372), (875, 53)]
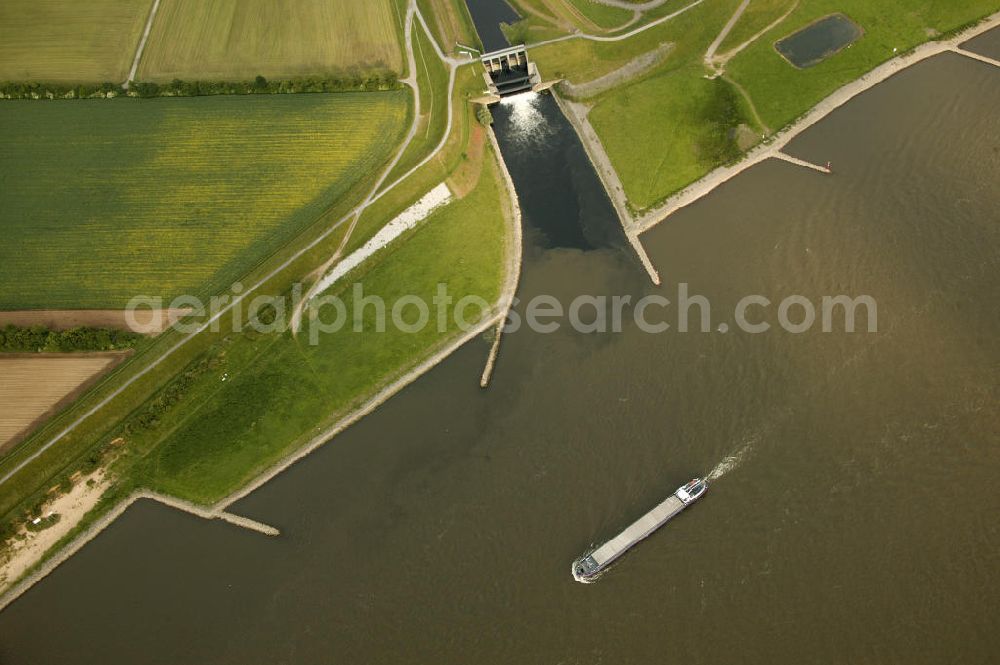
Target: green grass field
[(103, 200), (67, 41), (281, 389), (655, 128), (667, 111), (782, 92), (602, 16), (238, 39)]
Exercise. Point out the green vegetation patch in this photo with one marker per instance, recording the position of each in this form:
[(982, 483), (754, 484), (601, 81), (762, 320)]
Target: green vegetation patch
[(238, 39), (667, 131), (782, 93), (70, 41), (37, 339), (104, 200)]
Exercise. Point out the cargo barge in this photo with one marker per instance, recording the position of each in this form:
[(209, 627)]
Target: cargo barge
[(589, 565)]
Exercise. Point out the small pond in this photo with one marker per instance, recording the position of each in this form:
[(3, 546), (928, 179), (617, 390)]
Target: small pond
[(818, 41)]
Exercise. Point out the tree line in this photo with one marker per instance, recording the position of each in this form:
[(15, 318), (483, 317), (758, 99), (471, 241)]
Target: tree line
[(39, 339), (353, 81)]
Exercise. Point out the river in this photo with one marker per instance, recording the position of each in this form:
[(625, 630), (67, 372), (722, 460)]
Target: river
[(852, 517)]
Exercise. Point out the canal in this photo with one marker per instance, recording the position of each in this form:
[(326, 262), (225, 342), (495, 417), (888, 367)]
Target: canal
[(851, 517)]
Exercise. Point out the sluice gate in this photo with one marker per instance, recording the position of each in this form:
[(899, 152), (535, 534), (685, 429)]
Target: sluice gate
[(509, 71)]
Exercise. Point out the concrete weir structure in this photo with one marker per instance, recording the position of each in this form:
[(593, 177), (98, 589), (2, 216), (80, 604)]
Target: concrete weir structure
[(509, 71)]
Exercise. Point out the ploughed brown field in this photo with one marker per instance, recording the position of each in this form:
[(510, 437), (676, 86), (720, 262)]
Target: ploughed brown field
[(32, 386)]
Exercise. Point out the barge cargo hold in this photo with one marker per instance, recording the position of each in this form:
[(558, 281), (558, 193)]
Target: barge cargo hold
[(589, 565)]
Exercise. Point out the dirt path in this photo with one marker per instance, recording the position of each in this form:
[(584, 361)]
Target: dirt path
[(355, 217), (721, 60), (413, 12), (726, 29), (623, 36), (753, 107), (639, 7), (142, 44)]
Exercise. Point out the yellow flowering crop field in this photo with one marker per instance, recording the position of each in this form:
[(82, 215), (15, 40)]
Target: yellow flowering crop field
[(103, 200)]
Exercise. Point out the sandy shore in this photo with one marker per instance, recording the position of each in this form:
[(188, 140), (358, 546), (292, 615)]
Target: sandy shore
[(20, 554), (774, 145)]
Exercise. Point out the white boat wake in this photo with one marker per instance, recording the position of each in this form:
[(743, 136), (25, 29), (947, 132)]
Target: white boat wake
[(735, 459), (528, 125)]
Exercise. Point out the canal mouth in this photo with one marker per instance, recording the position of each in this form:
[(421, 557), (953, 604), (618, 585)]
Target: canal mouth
[(528, 126)]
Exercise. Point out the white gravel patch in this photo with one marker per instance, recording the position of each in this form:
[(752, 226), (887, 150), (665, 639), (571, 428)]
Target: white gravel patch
[(405, 221)]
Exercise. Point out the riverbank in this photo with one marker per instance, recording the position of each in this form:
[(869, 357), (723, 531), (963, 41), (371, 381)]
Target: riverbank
[(515, 239), (576, 112), (28, 547), (771, 147)]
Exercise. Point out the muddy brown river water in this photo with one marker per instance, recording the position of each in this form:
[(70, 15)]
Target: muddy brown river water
[(853, 513)]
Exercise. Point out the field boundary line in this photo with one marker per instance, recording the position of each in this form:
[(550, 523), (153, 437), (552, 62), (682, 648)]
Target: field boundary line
[(142, 44), (238, 299)]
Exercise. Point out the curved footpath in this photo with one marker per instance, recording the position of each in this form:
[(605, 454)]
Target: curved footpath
[(618, 38)]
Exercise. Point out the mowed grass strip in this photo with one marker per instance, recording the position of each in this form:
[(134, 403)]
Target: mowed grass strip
[(68, 41), (238, 39), (105, 200), (30, 387)]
